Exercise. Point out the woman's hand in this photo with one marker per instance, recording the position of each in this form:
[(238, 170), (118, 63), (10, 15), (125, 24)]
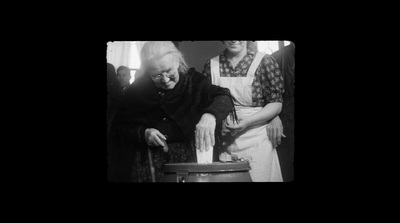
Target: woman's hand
[(204, 134), (275, 131), (156, 138), (234, 127)]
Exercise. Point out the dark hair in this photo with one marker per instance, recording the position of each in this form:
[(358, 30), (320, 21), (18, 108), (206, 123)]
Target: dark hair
[(121, 68)]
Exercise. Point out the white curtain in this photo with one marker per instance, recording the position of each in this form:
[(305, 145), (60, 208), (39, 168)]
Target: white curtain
[(118, 53), (139, 45), (269, 47), (124, 53)]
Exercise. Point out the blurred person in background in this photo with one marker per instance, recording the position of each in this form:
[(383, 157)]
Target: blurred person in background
[(124, 77), (281, 128)]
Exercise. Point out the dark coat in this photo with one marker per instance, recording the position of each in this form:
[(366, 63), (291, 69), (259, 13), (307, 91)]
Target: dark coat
[(174, 113), (285, 58)]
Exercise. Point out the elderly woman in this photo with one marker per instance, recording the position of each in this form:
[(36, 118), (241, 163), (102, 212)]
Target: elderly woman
[(169, 112)]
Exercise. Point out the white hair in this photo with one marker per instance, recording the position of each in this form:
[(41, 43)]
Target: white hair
[(155, 50)]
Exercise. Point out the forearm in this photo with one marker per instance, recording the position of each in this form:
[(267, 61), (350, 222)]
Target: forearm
[(267, 113), (132, 134), (220, 107), (130, 127)]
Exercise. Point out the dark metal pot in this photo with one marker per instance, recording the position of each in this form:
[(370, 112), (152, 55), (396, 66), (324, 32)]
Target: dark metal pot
[(213, 172)]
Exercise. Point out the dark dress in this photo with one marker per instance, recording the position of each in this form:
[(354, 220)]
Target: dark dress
[(285, 57), (174, 113)]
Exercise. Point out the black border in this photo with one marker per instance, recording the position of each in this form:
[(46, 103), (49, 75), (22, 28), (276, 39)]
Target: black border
[(85, 151)]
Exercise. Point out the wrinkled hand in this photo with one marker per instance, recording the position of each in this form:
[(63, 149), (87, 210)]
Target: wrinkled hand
[(235, 127), (275, 131), (204, 134), (156, 138)]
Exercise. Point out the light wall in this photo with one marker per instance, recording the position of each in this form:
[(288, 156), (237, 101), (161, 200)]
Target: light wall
[(196, 53)]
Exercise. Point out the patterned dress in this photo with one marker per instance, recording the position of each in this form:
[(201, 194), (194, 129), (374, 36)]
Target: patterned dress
[(268, 81)]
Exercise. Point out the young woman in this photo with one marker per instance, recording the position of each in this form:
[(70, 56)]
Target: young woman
[(255, 81)]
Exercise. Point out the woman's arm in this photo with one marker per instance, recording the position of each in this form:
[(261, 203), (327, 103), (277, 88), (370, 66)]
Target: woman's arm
[(266, 113), (135, 114), (275, 131), (218, 110), (219, 107), (271, 80)]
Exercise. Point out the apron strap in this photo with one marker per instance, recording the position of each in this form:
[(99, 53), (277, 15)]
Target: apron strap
[(214, 64), (254, 65)]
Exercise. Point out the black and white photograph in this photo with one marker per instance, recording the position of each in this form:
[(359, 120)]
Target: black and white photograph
[(200, 111)]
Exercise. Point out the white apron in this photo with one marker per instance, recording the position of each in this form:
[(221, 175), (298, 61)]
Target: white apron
[(253, 143)]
